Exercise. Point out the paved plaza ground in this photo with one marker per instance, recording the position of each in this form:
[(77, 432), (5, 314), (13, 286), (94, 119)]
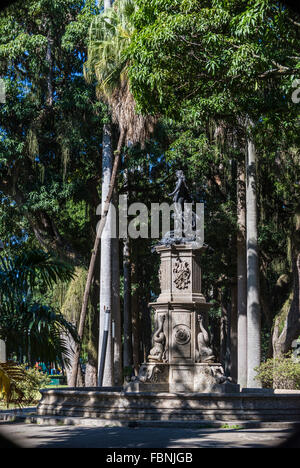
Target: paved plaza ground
[(43, 436)]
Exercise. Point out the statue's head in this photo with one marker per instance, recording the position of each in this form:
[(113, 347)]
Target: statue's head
[(180, 174)]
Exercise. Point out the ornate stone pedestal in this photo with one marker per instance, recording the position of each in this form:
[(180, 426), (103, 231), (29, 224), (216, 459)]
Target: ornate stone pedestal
[(181, 359)]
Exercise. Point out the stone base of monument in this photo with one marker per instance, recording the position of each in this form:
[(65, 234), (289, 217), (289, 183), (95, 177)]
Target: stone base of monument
[(180, 381), (175, 378), (115, 405), (181, 358)]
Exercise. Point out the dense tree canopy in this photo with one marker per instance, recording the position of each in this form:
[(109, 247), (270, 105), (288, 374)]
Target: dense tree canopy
[(201, 69), (50, 132), (223, 55)]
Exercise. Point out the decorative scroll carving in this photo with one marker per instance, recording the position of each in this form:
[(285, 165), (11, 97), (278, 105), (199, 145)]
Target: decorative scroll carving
[(182, 274), (182, 334), (158, 352), (204, 353)]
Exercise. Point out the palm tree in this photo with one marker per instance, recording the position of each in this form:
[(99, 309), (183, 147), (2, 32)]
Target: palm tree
[(25, 322), (253, 303), (109, 36)]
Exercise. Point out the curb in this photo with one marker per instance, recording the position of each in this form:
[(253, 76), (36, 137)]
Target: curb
[(33, 418)]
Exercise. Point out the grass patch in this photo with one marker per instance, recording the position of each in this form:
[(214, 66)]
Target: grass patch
[(56, 386), (231, 426)]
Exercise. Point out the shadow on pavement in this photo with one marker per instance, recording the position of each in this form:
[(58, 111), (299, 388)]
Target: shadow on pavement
[(139, 438)]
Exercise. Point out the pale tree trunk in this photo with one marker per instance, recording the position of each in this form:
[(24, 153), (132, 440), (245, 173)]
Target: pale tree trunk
[(116, 312), (2, 351), (106, 263), (241, 277), (107, 4), (90, 379), (100, 229), (253, 306)]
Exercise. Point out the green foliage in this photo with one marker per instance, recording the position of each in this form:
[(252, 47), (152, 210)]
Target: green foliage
[(11, 377), (50, 138), (231, 426), (201, 65), (31, 386), (224, 57), (20, 385), (281, 372), (25, 323), (109, 36), (208, 66)]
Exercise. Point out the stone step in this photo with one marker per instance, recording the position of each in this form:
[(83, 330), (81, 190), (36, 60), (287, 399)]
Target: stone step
[(31, 417)]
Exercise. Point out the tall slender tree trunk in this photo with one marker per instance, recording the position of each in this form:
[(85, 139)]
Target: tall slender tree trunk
[(127, 353), (253, 306), (106, 263), (107, 4), (93, 258), (2, 351), (225, 337), (127, 317), (241, 276), (233, 332), (135, 320), (116, 312), (93, 343)]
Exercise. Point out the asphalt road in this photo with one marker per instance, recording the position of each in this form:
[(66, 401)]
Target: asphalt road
[(40, 436)]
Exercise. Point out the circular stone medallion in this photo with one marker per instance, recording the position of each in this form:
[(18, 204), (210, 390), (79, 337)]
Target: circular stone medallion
[(182, 334)]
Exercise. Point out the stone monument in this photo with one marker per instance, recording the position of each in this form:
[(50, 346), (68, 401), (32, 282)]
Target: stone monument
[(180, 380), (181, 359)]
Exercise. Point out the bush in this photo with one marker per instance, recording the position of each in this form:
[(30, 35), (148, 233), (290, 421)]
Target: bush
[(19, 385), (34, 382), (282, 372)]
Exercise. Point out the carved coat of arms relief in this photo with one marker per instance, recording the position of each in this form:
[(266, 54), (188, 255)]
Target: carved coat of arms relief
[(182, 274)]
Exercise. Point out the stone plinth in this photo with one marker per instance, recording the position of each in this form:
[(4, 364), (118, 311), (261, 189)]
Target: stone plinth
[(181, 359), (180, 274)]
